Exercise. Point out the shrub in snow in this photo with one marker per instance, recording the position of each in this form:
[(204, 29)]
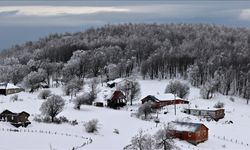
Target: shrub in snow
[(91, 126), (44, 94), (14, 98), (40, 119), (74, 122), (52, 106), (232, 99), (116, 131), (178, 88), (219, 105), (83, 99), (63, 119)]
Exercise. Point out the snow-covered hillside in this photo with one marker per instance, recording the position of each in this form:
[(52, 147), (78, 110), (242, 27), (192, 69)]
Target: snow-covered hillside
[(221, 135)]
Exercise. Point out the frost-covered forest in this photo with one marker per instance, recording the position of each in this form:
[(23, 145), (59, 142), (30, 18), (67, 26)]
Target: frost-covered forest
[(215, 58)]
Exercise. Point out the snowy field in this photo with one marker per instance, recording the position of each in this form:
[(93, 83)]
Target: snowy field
[(221, 136)]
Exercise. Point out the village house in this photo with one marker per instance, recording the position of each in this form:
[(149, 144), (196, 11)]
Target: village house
[(16, 119), (162, 100), (8, 88), (193, 133), (118, 99), (214, 113)]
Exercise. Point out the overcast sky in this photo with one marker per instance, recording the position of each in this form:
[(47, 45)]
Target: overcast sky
[(21, 21)]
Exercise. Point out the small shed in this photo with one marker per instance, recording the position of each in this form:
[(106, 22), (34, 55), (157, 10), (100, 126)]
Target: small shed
[(194, 133), (119, 81), (8, 88), (164, 100), (214, 113), (113, 83), (16, 119), (118, 99)]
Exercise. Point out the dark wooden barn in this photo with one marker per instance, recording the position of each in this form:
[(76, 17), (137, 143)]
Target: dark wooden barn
[(214, 114), (16, 119), (8, 88), (194, 133), (163, 100), (118, 99)]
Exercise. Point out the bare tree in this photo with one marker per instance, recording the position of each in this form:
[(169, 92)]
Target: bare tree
[(52, 106), (145, 109), (93, 89), (207, 90), (164, 138), (135, 91), (142, 142)]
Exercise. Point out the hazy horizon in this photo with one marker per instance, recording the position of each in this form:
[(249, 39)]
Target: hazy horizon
[(22, 21)]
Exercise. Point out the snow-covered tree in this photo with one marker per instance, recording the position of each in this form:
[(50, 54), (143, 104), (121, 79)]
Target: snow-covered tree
[(33, 79), (142, 142), (145, 109), (178, 88), (44, 94), (91, 126), (93, 89), (83, 99), (74, 86), (131, 89), (52, 106), (207, 90)]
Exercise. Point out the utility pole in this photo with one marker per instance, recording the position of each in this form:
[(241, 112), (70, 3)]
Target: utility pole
[(174, 104)]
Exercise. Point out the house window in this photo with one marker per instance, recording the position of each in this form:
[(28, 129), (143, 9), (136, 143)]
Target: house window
[(198, 133), (204, 132)]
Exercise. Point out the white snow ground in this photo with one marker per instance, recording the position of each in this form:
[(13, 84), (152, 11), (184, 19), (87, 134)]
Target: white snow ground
[(221, 135)]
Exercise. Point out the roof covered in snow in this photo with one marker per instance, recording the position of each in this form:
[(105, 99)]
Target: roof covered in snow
[(185, 126), (115, 81), (167, 96), (204, 108), (8, 86)]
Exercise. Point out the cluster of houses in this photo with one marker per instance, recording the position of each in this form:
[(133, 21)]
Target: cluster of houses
[(194, 133), (16, 119)]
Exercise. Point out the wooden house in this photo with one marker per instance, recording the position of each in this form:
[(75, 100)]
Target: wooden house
[(118, 99), (194, 133), (16, 119), (164, 100), (8, 88), (214, 114)]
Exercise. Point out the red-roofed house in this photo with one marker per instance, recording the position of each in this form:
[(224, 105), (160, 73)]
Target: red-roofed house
[(164, 100), (118, 99), (194, 133)]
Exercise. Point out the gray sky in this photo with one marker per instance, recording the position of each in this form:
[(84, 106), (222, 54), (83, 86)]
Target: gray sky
[(21, 21)]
